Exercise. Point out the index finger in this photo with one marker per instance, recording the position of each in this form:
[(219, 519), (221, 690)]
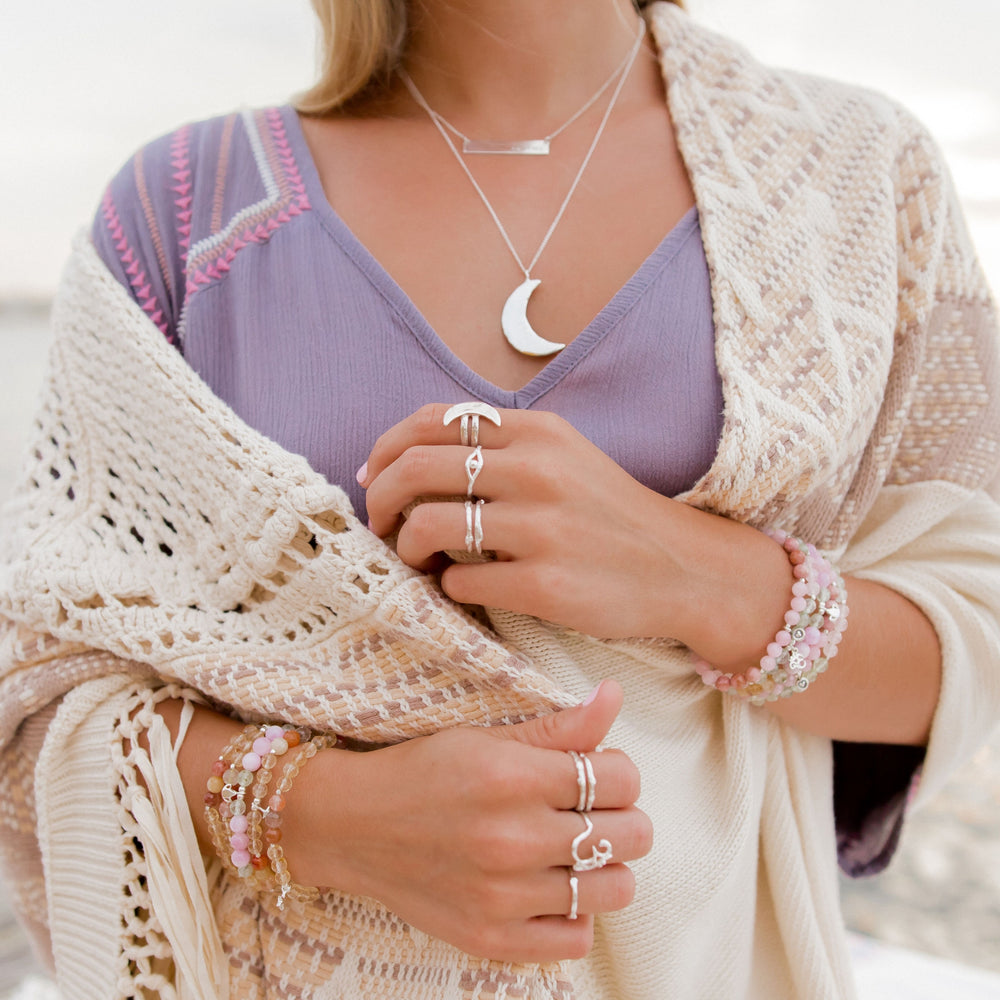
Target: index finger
[(427, 426), (615, 776)]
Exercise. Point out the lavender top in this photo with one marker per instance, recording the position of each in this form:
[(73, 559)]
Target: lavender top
[(225, 238)]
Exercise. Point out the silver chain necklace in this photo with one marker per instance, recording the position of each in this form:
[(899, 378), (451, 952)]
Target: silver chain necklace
[(514, 319), (525, 147)]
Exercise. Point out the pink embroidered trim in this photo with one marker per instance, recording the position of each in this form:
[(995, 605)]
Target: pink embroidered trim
[(180, 163), (130, 262), (257, 227)]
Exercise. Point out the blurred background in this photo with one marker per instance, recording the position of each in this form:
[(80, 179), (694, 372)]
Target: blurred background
[(83, 85)]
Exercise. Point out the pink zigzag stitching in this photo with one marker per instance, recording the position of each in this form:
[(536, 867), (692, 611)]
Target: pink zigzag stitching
[(136, 275), (181, 164), (293, 201)]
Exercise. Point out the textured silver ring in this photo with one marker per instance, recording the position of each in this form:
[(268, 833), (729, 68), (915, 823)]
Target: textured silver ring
[(591, 783), (469, 536), (473, 466), (470, 414), (477, 527), (574, 902), (581, 781), (599, 855)]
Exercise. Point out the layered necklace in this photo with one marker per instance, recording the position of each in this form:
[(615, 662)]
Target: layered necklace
[(514, 319)]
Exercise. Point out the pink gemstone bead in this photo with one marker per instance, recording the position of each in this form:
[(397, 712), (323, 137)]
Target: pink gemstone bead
[(262, 746), (218, 768), (251, 762), (798, 604), (722, 684), (753, 675), (803, 648), (240, 858), (799, 588), (782, 638), (768, 663), (792, 617), (813, 635), (815, 653), (239, 841), (274, 733), (800, 571), (796, 558), (773, 650), (238, 824)]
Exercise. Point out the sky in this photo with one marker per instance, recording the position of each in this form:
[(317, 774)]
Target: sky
[(82, 85)]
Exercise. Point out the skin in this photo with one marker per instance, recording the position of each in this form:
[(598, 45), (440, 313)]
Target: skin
[(580, 542)]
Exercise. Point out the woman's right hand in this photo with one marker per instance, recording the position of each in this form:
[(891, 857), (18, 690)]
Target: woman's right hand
[(466, 834)]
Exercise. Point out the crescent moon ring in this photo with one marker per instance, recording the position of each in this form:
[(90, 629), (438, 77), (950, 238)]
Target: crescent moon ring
[(475, 410), (516, 327)]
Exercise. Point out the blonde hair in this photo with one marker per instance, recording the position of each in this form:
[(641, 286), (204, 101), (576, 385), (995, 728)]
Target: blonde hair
[(362, 43)]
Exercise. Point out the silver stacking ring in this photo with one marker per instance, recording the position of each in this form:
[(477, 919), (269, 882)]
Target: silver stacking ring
[(473, 466), (574, 889), (470, 414), (474, 526), (586, 781), (600, 855)]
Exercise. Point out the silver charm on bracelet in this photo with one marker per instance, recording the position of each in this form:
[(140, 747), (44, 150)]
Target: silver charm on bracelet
[(574, 890), (473, 466), (470, 414), (600, 855)]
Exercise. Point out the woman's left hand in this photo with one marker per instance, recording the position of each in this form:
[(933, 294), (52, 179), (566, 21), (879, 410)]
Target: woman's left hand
[(578, 541)]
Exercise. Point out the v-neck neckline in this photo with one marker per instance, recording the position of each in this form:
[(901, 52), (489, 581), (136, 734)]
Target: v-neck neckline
[(480, 387)]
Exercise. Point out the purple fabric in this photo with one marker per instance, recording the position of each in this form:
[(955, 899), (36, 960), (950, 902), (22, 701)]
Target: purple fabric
[(224, 236)]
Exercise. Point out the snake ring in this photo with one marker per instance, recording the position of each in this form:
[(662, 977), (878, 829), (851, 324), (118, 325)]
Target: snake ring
[(473, 466)]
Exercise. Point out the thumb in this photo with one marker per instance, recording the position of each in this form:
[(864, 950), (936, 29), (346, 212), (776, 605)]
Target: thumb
[(581, 727)]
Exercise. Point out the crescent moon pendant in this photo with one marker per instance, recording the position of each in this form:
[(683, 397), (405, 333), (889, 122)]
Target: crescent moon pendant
[(516, 327)]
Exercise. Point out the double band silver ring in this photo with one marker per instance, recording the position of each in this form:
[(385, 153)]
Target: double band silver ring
[(470, 414), (599, 855), (474, 526), (586, 781)]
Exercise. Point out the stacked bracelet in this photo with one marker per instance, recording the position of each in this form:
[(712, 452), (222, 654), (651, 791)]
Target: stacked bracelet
[(802, 649), (245, 822)]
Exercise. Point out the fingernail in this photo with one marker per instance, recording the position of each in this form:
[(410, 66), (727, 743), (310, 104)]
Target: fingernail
[(593, 694), (362, 474)]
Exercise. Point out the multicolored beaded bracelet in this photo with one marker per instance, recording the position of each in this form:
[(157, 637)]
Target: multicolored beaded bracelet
[(803, 648), (241, 829)]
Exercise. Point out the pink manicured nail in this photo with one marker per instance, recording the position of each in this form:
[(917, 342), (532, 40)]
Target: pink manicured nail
[(593, 694), (362, 474)]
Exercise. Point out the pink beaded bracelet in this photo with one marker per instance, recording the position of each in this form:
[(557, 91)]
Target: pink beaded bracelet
[(802, 649), (245, 833)]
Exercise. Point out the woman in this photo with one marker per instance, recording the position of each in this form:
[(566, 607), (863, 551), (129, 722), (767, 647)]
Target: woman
[(810, 349)]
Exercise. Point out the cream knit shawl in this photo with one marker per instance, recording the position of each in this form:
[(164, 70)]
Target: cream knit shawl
[(156, 544)]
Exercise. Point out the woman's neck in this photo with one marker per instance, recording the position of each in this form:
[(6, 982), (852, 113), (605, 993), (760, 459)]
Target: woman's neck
[(515, 68)]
